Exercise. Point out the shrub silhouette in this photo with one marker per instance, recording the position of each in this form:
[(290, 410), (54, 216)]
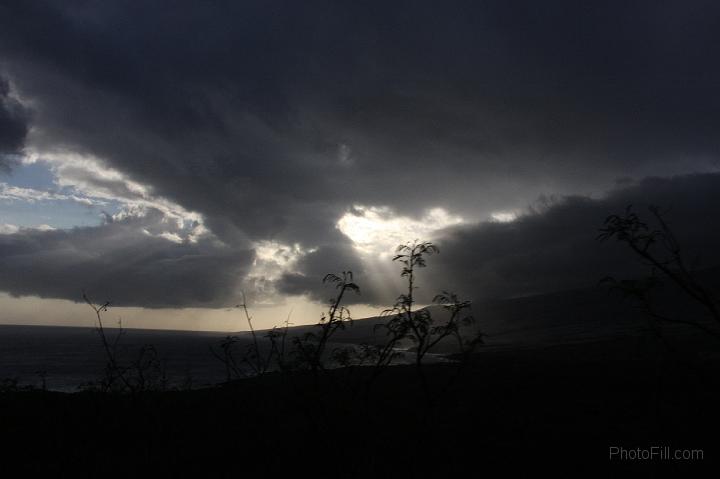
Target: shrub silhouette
[(413, 325), (418, 326), (310, 351), (258, 361), (277, 337), (145, 372), (226, 356), (661, 251), (311, 347)]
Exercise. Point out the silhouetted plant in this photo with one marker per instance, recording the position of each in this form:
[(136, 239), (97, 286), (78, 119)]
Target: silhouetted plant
[(113, 372), (405, 323), (660, 249), (227, 357), (254, 357), (311, 347), (460, 316), (418, 326), (149, 370), (145, 372), (257, 359), (278, 344)]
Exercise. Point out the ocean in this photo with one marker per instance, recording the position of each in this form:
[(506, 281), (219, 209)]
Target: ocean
[(66, 358)]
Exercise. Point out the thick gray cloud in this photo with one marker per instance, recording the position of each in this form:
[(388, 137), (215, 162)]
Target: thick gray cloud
[(556, 248), (331, 258), (125, 261), (13, 127), (273, 118), (551, 247)]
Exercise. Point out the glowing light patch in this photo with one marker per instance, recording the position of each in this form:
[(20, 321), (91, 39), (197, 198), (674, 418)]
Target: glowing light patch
[(504, 216), (172, 237), (272, 259), (377, 230)]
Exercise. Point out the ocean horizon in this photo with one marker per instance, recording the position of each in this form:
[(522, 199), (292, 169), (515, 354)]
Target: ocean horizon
[(68, 358)]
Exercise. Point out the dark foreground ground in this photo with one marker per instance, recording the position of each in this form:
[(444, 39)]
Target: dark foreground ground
[(555, 409)]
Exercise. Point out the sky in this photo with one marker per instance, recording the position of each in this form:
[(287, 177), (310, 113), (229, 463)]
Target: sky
[(170, 156)]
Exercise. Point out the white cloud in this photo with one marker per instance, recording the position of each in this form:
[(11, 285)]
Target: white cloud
[(378, 230), (504, 216), (31, 195), (93, 182), (272, 261), (8, 229)]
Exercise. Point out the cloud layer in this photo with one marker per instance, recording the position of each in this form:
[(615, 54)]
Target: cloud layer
[(550, 247), (13, 127), (131, 261), (271, 120), (556, 248)]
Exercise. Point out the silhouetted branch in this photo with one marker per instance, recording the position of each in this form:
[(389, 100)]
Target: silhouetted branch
[(643, 241)]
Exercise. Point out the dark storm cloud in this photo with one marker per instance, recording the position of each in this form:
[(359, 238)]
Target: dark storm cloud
[(122, 263), (552, 247), (13, 127), (331, 258), (556, 248), (248, 104), (272, 118)]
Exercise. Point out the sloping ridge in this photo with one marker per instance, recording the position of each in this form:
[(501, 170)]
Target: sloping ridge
[(590, 314)]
